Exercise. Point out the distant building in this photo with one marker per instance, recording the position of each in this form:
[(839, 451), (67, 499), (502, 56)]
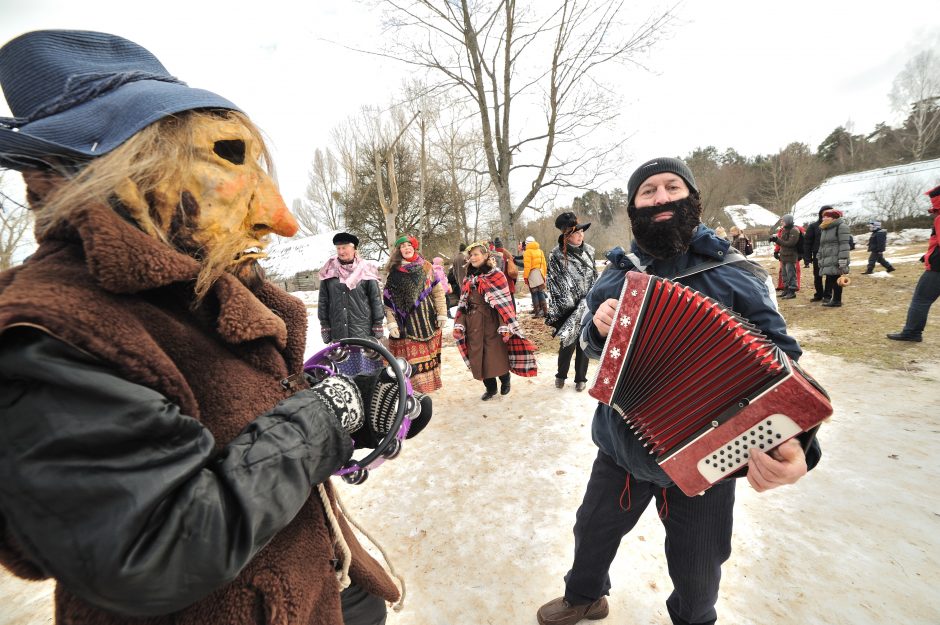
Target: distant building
[(885, 193), (753, 220), (294, 264)]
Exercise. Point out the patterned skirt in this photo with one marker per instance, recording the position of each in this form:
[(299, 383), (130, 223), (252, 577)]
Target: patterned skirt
[(425, 359)]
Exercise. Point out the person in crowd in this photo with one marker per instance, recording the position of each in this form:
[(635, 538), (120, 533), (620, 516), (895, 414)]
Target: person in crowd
[(534, 272), (165, 459), (741, 242), (833, 256), (416, 311), (509, 268), (452, 292), (788, 238), (811, 251), (440, 274), (485, 327), (350, 302), (928, 286), (460, 264), (571, 274), (665, 208), (877, 243), (782, 288)]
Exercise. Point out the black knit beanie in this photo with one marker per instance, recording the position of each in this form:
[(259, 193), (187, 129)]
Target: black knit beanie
[(660, 165)]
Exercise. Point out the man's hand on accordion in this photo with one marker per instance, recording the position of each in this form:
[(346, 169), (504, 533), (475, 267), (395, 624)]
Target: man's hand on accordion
[(784, 464), (604, 317)]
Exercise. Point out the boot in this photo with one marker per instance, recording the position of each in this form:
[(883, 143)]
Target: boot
[(889, 269), (832, 304), (868, 271), (505, 386), (580, 386), (560, 612), (788, 295), (544, 309), (559, 383)]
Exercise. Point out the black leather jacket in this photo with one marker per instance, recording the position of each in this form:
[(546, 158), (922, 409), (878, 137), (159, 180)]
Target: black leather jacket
[(185, 517)]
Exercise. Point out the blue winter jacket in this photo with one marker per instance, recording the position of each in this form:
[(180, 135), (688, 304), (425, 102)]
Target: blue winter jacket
[(732, 285), (878, 241)]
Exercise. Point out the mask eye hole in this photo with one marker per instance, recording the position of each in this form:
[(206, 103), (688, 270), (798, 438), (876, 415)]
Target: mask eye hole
[(232, 150)]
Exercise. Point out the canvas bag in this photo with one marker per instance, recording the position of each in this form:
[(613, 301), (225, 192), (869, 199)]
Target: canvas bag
[(535, 278)]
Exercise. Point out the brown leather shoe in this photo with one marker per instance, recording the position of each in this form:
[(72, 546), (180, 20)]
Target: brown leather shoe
[(560, 612)]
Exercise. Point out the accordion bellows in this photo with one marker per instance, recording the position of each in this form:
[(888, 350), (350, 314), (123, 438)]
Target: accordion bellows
[(699, 385)]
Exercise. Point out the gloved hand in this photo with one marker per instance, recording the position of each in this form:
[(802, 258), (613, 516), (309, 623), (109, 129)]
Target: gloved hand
[(326, 335), (777, 255), (922, 258), (393, 330), (380, 397), (843, 266), (805, 264), (378, 332), (772, 238)]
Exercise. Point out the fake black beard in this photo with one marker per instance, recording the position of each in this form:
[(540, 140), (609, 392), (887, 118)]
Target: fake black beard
[(665, 239)]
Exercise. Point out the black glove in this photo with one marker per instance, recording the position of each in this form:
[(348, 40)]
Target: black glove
[(777, 255), (772, 238), (805, 264), (380, 397), (921, 259)]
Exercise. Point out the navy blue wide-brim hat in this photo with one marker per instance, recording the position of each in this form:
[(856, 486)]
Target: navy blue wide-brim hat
[(77, 95)]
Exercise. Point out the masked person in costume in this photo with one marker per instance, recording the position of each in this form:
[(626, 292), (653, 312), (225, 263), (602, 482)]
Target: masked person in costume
[(669, 240), (488, 336), (153, 460), (416, 310), (350, 303)]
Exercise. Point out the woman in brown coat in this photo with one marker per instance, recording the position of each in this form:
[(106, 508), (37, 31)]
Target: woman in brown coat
[(485, 327)]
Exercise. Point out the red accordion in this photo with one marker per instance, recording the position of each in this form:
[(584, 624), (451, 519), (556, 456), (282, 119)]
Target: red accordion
[(699, 385)]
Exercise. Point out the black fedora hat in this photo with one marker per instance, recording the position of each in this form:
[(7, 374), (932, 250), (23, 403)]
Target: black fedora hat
[(76, 95)]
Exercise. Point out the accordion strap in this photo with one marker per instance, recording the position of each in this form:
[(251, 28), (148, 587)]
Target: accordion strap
[(731, 256)]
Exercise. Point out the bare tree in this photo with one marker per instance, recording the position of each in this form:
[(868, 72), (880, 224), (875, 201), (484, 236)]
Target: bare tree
[(389, 205), (896, 199), (789, 175), (15, 225), (326, 183), (917, 88), (487, 52)]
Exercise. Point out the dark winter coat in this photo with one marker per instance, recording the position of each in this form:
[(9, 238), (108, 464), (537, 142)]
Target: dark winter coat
[(811, 238), (833, 255), (350, 314), (569, 280), (741, 288), (164, 484), (878, 241), (788, 239)]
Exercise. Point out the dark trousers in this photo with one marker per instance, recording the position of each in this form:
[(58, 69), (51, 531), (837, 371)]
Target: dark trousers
[(580, 362), (698, 539), (817, 280), (925, 294), (877, 257), (832, 289), (788, 273), (361, 607), (490, 383)]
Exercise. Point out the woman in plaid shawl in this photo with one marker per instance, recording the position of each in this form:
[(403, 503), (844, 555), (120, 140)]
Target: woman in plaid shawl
[(485, 328)]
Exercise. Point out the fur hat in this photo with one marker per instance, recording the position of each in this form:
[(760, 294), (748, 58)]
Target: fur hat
[(344, 237), (76, 95), (659, 165)]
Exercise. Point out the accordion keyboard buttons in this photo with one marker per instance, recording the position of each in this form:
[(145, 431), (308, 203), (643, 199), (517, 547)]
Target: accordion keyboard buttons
[(731, 456)]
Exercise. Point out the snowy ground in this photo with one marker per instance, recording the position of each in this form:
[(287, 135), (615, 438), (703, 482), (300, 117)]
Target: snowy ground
[(476, 513)]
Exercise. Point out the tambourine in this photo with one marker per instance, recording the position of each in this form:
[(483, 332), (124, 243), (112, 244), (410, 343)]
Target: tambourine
[(843, 281), (324, 364)]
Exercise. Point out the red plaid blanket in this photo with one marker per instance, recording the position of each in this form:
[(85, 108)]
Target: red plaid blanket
[(495, 290)]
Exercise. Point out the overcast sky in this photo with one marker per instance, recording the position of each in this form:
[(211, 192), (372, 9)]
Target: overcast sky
[(750, 75)]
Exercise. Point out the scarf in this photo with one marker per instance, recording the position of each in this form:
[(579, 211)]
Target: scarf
[(407, 292), (495, 289), (350, 274)]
